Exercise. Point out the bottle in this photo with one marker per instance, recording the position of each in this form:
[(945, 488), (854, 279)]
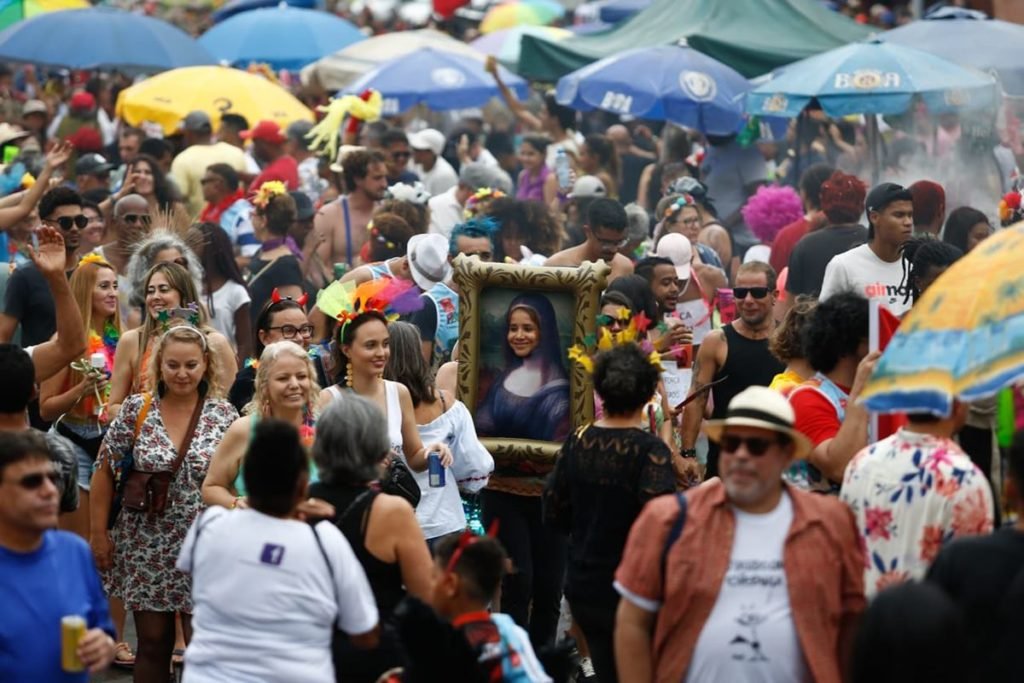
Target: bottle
[(562, 171), (435, 470)]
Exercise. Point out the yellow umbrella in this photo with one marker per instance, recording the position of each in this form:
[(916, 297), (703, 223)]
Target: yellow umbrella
[(166, 98)]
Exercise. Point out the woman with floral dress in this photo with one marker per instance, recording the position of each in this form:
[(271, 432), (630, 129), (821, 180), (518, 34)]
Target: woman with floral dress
[(139, 553)]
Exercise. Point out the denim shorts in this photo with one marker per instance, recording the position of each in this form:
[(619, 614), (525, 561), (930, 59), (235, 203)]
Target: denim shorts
[(85, 462)]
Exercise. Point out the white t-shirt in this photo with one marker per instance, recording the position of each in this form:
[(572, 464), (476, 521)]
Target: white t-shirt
[(445, 212), (860, 270), (439, 179), (265, 606), (750, 635), (226, 300)]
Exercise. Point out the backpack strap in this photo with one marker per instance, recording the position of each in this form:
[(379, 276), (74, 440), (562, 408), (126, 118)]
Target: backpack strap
[(673, 535), (330, 568)]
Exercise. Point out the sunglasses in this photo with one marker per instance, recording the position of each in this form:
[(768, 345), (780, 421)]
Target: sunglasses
[(31, 482), (740, 293), (66, 222), (756, 445), (133, 218), (289, 331)]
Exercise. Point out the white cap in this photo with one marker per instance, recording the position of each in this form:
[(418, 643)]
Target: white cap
[(588, 186), (428, 260), (428, 139), (676, 248)]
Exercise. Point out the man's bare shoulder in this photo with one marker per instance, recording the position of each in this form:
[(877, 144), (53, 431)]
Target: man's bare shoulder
[(566, 257)]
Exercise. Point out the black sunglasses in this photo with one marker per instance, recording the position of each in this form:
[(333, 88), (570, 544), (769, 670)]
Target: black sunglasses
[(65, 222), (740, 293), (756, 445), (31, 482), (133, 218)]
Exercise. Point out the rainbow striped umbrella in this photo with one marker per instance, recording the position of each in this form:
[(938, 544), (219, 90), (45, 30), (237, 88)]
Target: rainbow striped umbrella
[(964, 338), (13, 11), (524, 12), (505, 43)]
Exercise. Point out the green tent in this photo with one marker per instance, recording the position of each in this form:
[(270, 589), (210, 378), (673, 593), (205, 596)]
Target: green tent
[(751, 36)]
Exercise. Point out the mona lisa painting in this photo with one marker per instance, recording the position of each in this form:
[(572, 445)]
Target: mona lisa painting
[(516, 324)]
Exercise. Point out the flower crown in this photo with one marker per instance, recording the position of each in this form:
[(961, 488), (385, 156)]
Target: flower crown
[(189, 314), (267, 192), (346, 301), (93, 257), (482, 195), (377, 236), (678, 204), (638, 324)]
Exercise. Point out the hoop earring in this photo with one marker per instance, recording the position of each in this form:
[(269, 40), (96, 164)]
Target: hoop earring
[(348, 374)]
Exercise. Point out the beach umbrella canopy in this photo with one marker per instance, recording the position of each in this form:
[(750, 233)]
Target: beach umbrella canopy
[(504, 44), (666, 83), (165, 99), (524, 12), (971, 39), (101, 38), (336, 71), (233, 7), (441, 80), (13, 11), (963, 339), (283, 37), (872, 77)]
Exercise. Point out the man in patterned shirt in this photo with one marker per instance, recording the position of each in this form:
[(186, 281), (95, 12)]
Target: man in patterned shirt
[(913, 492)]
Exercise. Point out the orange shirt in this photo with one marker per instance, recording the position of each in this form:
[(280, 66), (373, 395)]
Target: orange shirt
[(822, 556)]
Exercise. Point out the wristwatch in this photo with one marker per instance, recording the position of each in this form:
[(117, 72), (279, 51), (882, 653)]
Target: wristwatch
[(688, 453)]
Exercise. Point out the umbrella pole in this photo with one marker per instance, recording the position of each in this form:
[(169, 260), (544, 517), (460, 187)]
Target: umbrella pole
[(874, 139)]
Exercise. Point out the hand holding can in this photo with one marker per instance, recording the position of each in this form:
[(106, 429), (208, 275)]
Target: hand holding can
[(435, 470)]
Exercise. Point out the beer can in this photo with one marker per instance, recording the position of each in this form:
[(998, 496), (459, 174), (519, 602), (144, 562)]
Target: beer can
[(435, 470), (72, 628)]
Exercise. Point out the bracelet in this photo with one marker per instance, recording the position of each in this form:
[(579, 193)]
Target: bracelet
[(688, 453), (234, 504)]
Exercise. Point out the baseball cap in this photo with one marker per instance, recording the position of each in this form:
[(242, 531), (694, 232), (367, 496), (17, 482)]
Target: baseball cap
[(588, 186), (34, 107), (428, 260), (885, 194), (82, 101), (428, 139), (197, 122), (92, 164), (303, 206), (676, 248), (268, 131)]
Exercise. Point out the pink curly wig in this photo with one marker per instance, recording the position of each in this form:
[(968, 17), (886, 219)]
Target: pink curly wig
[(771, 209)]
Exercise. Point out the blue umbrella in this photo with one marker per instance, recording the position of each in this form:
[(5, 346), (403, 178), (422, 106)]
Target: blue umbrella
[(234, 7), (283, 37), (615, 11), (441, 80), (668, 82), (871, 78), (101, 38), (969, 39)]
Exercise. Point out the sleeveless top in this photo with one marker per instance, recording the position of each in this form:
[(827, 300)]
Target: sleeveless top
[(393, 413), (240, 490), (379, 270), (696, 314), (446, 302), (748, 362), (801, 473)]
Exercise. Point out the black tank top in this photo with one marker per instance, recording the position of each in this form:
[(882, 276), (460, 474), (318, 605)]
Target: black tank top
[(748, 362)]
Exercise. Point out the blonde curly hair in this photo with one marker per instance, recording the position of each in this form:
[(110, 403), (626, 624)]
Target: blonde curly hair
[(268, 358), (189, 335)]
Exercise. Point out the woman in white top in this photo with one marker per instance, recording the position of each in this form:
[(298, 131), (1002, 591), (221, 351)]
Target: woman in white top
[(268, 588), (439, 417), (227, 298), (363, 348)]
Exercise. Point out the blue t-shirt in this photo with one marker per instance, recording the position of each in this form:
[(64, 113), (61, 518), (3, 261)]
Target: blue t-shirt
[(37, 589)]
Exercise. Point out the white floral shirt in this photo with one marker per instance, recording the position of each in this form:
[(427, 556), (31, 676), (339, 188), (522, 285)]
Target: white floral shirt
[(911, 493)]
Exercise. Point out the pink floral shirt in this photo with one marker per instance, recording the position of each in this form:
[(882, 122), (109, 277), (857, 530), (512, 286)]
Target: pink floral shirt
[(910, 494)]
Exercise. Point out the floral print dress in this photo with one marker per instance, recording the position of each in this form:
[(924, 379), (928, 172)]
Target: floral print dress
[(146, 547), (910, 494)]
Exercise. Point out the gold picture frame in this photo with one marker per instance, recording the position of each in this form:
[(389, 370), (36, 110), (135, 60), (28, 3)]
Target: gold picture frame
[(481, 285)]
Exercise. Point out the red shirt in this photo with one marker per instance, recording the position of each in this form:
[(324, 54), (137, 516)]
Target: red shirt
[(284, 168), (787, 238), (816, 418)]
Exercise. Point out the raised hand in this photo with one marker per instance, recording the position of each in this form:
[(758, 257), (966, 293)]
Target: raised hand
[(59, 155), (49, 256)]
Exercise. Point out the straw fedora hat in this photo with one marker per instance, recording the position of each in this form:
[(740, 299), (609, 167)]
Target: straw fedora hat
[(763, 408)]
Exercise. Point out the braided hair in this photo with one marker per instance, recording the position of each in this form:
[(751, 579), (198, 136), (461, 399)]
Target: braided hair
[(920, 254)]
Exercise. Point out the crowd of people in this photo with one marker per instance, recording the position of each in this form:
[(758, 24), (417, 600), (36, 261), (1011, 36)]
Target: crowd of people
[(233, 432)]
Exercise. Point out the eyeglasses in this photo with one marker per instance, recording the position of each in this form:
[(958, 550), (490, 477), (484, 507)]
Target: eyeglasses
[(615, 244), (31, 482), (289, 331), (133, 218), (398, 156), (65, 222), (756, 445), (740, 293), (207, 181)]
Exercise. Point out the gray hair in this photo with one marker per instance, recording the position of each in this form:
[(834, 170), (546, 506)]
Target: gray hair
[(144, 258), (638, 223), (351, 441), (475, 176)]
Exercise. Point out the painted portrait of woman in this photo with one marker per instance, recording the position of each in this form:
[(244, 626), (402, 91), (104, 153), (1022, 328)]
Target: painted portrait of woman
[(529, 398)]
